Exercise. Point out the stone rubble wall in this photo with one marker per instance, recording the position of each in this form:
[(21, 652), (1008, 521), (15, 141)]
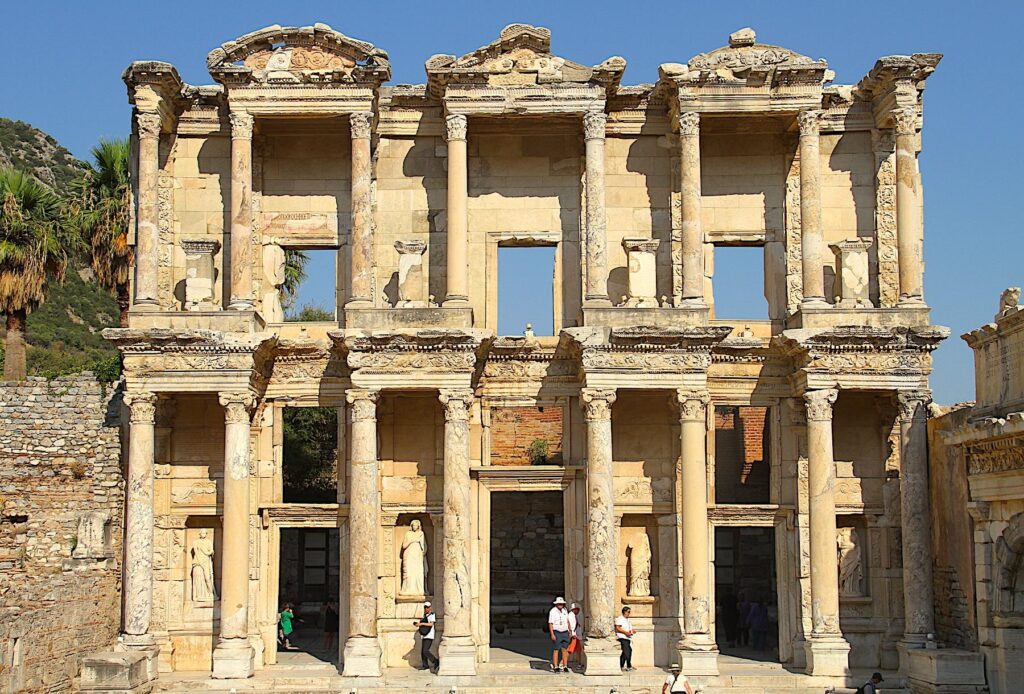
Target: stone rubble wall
[(60, 454)]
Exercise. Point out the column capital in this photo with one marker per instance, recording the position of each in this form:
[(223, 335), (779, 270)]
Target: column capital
[(692, 404), (241, 125), (689, 123), (809, 122), (364, 403), (913, 405), (457, 402), (597, 402), (905, 121), (594, 123), (142, 405), (237, 406), (360, 123), (456, 125), (819, 404), (148, 123)]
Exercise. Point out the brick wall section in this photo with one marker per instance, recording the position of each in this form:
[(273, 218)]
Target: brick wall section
[(741, 460), (513, 429), (952, 625), (59, 459)]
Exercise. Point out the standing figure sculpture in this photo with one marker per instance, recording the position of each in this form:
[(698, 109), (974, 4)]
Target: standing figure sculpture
[(414, 560), (851, 570), (202, 568), (640, 566)]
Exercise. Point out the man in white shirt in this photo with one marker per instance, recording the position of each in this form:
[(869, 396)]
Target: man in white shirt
[(676, 682), (576, 636), (558, 626), (425, 626), (624, 631)]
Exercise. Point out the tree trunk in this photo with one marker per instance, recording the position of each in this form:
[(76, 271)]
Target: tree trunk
[(14, 358), (123, 302)]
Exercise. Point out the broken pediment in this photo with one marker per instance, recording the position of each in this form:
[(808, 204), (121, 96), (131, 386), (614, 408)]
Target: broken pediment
[(285, 55)]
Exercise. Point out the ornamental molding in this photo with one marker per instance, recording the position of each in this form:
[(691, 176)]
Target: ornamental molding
[(594, 124), (241, 125), (142, 406), (444, 351), (896, 70), (819, 404), (361, 124), (858, 349), (148, 124), (809, 123), (597, 403), (913, 405), (689, 123), (644, 348), (456, 126), (1001, 455)]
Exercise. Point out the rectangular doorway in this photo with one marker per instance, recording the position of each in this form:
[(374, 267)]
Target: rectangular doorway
[(746, 592), (527, 570), (308, 579)]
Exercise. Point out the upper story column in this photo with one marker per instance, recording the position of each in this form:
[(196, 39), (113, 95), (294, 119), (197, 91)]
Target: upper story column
[(458, 210), (147, 237), (596, 294), (915, 516), (908, 209), (361, 291), (138, 550), (241, 212), (690, 194), (812, 239)]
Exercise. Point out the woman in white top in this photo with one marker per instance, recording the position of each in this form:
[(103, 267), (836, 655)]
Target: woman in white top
[(576, 632), (624, 631), (676, 682)]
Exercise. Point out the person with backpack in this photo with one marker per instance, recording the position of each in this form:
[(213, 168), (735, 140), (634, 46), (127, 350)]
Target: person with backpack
[(871, 686), (425, 626)]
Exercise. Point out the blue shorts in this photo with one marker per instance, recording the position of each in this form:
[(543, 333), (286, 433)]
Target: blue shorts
[(561, 639)]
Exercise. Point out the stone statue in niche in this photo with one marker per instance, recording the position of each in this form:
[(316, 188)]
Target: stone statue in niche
[(851, 563), (202, 568), (640, 565), (414, 560)]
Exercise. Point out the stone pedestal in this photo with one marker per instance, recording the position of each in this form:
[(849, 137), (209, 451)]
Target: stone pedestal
[(107, 672), (138, 552), (945, 670), (147, 235), (690, 197), (596, 293), (909, 240), (852, 281), (458, 211), (812, 237), (360, 294), (411, 290), (241, 212), (641, 259), (199, 273)]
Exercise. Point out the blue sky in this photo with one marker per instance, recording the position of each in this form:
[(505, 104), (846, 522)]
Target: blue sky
[(64, 61)]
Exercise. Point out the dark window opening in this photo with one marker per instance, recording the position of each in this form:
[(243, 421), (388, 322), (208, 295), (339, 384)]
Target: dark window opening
[(746, 594), (310, 456), (742, 455)]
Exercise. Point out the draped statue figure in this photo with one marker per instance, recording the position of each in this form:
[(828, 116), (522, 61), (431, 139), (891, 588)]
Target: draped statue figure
[(851, 565), (414, 560), (640, 565), (202, 568)]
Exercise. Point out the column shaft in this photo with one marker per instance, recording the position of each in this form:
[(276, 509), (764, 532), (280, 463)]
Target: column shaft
[(362, 211), (138, 551), (694, 517), (596, 213), (147, 235), (458, 210), (918, 589), (908, 208), (690, 198), (241, 212), (812, 240)]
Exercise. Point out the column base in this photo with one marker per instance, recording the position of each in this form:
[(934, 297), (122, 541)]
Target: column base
[(698, 662), (362, 657), (814, 302), (602, 656), (455, 301), (358, 302), (693, 302), (233, 659), (910, 301), (145, 305), (241, 305), (597, 302), (906, 645), (827, 656), (457, 655)]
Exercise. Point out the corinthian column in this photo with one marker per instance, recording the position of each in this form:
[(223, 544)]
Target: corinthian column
[(362, 649), (458, 210), (457, 650), (361, 293), (241, 212), (147, 235), (908, 209), (827, 650), (697, 650), (602, 539), (233, 656), (597, 213), (138, 550), (690, 198), (812, 239), (914, 517)]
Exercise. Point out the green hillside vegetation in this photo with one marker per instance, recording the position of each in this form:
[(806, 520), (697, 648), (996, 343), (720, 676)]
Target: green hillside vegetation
[(31, 150)]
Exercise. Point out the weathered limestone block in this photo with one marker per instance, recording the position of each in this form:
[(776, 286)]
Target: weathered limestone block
[(642, 261), (852, 282), (93, 536), (273, 273), (115, 671), (411, 289), (199, 273)]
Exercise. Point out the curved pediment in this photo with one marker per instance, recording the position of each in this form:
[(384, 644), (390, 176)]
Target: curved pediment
[(315, 53)]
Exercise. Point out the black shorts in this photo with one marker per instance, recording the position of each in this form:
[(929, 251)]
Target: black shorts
[(561, 639)]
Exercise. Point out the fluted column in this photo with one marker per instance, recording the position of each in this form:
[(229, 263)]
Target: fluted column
[(233, 656), (456, 126), (602, 538), (690, 198), (241, 212), (915, 516), (457, 650), (147, 235), (827, 650), (908, 208), (362, 649), (361, 288), (812, 239), (597, 213), (138, 550)]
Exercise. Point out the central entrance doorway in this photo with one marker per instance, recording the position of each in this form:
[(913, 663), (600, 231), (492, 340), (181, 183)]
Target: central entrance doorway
[(746, 592), (527, 570), (309, 581)]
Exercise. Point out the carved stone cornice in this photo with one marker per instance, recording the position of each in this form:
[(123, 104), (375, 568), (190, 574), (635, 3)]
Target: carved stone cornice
[(597, 403), (819, 404), (142, 405), (689, 123), (363, 403), (644, 348), (890, 70), (241, 125), (452, 350), (199, 246), (809, 123), (594, 125), (456, 126), (641, 245), (999, 455), (457, 402), (693, 404), (859, 349), (913, 405), (361, 124)]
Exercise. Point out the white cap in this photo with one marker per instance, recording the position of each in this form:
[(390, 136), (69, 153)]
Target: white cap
[(574, 607), (426, 604), (559, 601)]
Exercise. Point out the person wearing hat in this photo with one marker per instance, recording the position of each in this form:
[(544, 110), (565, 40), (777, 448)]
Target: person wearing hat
[(558, 627), (676, 681), (576, 634), (425, 625)]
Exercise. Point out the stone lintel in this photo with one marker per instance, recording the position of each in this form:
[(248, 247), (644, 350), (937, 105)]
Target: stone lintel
[(226, 322), (424, 318), (835, 316)]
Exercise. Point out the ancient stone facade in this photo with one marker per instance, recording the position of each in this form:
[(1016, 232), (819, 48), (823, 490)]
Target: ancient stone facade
[(298, 145), (61, 501)]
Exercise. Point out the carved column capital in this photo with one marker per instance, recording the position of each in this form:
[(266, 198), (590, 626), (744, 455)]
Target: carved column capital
[(241, 125), (456, 125), (237, 406), (597, 403), (360, 123), (819, 404), (457, 402), (913, 405), (692, 404), (594, 123), (143, 407), (905, 121), (364, 403), (689, 123), (809, 122), (148, 123)]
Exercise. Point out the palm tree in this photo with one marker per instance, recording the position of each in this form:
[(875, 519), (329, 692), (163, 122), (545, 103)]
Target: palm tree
[(294, 275), (34, 245), (103, 217)]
